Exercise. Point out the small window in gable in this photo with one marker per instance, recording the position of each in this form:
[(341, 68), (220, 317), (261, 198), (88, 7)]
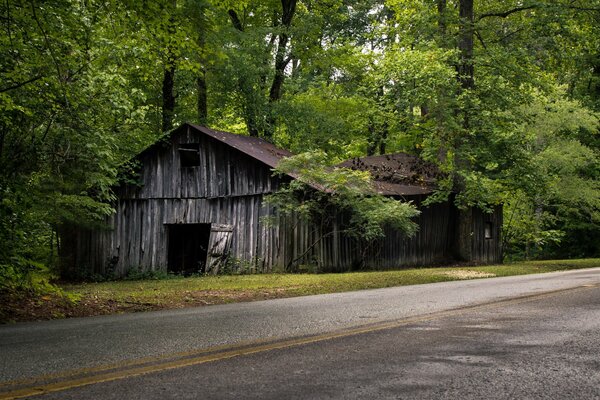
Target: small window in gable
[(189, 155), (488, 230)]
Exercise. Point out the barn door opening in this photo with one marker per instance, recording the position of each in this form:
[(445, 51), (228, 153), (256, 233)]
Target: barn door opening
[(188, 248), (218, 247)]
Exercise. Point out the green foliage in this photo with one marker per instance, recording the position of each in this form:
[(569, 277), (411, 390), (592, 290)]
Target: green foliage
[(560, 199), (25, 276), (81, 91), (71, 111), (137, 274), (236, 266), (338, 200), (321, 119)]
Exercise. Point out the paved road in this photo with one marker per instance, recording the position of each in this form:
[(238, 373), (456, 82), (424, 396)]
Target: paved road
[(410, 345)]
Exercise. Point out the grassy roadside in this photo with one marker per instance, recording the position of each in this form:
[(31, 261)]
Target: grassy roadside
[(131, 296)]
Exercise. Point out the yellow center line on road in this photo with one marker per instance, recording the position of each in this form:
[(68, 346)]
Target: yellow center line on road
[(88, 376)]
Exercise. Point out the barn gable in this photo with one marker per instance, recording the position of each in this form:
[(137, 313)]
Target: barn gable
[(199, 188), (197, 162)]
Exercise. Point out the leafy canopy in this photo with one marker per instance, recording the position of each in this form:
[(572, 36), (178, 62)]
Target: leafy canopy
[(321, 194)]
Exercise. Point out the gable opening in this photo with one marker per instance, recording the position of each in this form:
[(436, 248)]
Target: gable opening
[(189, 155), (188, 248), (488, 230)]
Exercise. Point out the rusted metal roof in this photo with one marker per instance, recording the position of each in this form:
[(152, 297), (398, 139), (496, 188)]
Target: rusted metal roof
[(255, 147), (398, 174)]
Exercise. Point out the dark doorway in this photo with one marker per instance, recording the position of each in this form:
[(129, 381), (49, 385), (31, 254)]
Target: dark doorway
[(188, 245)]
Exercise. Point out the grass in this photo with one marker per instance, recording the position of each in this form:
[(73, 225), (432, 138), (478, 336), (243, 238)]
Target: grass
[(128, 296)]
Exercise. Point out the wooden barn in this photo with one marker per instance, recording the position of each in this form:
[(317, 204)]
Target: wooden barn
[(199, 207)]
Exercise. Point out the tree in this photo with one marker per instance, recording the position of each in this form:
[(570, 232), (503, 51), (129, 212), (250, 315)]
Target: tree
[(70, 114), (260, 123), (321, 196), (560, 200)]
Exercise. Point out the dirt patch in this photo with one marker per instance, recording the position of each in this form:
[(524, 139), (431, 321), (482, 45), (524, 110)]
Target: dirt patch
[(467, 274), (22, 307)]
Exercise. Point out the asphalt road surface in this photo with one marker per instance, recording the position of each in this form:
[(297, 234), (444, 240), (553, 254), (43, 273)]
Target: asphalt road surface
[(536, 336)]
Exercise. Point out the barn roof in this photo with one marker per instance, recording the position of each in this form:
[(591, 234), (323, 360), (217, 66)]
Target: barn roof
[(255, 147), (397, 174)]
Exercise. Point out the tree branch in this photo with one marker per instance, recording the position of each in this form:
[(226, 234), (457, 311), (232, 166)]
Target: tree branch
[(18, 85), (583, 8), (47, 41), (508, 35), (235, 20), (316, 242), (504, 14), (478, 35)]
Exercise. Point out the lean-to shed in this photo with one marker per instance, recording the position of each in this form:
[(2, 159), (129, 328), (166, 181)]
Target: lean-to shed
[(200, 202)]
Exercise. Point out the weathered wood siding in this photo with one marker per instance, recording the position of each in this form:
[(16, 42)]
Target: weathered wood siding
[(139, 234), (228, 188), (486, 250), (431, 245), (223, 172)]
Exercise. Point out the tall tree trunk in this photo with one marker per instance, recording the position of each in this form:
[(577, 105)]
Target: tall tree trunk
[(441, 7), (465, 71), (248, 109), (281, 62), (168, 84)]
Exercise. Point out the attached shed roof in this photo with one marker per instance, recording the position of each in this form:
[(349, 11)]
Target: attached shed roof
[(398, 174)]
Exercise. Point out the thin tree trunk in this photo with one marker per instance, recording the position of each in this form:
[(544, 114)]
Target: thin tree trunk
[(441, 6), (438, 110), (202, 99), (383, 138), (372, 143), (377, 138), (168, 106)]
